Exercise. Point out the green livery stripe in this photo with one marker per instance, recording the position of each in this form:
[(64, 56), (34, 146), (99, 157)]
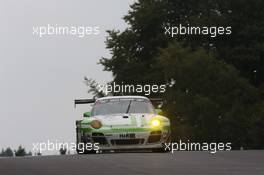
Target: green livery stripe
[(86, 129)]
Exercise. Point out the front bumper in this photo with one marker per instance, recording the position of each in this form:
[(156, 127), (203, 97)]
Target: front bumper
[(140, 140)]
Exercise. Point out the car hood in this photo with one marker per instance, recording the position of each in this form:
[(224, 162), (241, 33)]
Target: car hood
[(136, 120)]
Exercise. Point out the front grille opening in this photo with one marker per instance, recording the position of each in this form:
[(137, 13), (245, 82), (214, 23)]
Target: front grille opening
[(154, 137), (99, 138), (127, 141)]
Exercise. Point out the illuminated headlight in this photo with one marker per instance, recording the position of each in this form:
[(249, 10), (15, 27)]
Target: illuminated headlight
[(96, 124), (155, 123)]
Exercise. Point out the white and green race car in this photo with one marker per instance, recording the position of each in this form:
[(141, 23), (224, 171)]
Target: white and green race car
[(123, 123)]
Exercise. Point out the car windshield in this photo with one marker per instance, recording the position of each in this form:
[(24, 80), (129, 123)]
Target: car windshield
[(121, 106)]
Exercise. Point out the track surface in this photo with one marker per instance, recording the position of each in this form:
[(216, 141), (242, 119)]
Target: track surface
[(198, 163)]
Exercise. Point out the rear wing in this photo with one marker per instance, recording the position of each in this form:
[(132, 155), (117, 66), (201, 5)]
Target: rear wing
[(156, 99), (83, 101), (157, 102)]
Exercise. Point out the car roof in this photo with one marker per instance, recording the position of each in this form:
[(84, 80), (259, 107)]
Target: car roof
[(119, 97)]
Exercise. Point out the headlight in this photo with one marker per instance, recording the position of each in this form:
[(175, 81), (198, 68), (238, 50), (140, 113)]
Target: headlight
[(96, 124), (155, 123)]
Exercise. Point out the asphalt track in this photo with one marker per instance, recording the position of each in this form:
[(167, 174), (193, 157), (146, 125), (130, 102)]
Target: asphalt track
[(181, 163)]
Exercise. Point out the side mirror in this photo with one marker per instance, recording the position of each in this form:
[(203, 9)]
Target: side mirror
[(159, 111), (87, 114)]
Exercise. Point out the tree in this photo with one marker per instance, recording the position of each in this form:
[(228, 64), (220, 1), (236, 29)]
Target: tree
[(209, 98), (94, 87), (63, 150), (219, 81), (7, 153), (20, 151), (29, 153), (134, 49), (243, 48)]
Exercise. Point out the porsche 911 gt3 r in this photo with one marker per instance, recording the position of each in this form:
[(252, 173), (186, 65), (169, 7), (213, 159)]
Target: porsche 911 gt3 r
[(123, 123)]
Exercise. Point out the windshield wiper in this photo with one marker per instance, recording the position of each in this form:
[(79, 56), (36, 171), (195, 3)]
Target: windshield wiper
[(128, 107)]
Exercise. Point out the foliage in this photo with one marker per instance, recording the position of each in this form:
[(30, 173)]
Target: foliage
[(20, 151), (218, 94), (63, 150), (209, 97), (7, 152), (94, 87)]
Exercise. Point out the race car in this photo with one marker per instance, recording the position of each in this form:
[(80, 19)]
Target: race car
[(122, 123)]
